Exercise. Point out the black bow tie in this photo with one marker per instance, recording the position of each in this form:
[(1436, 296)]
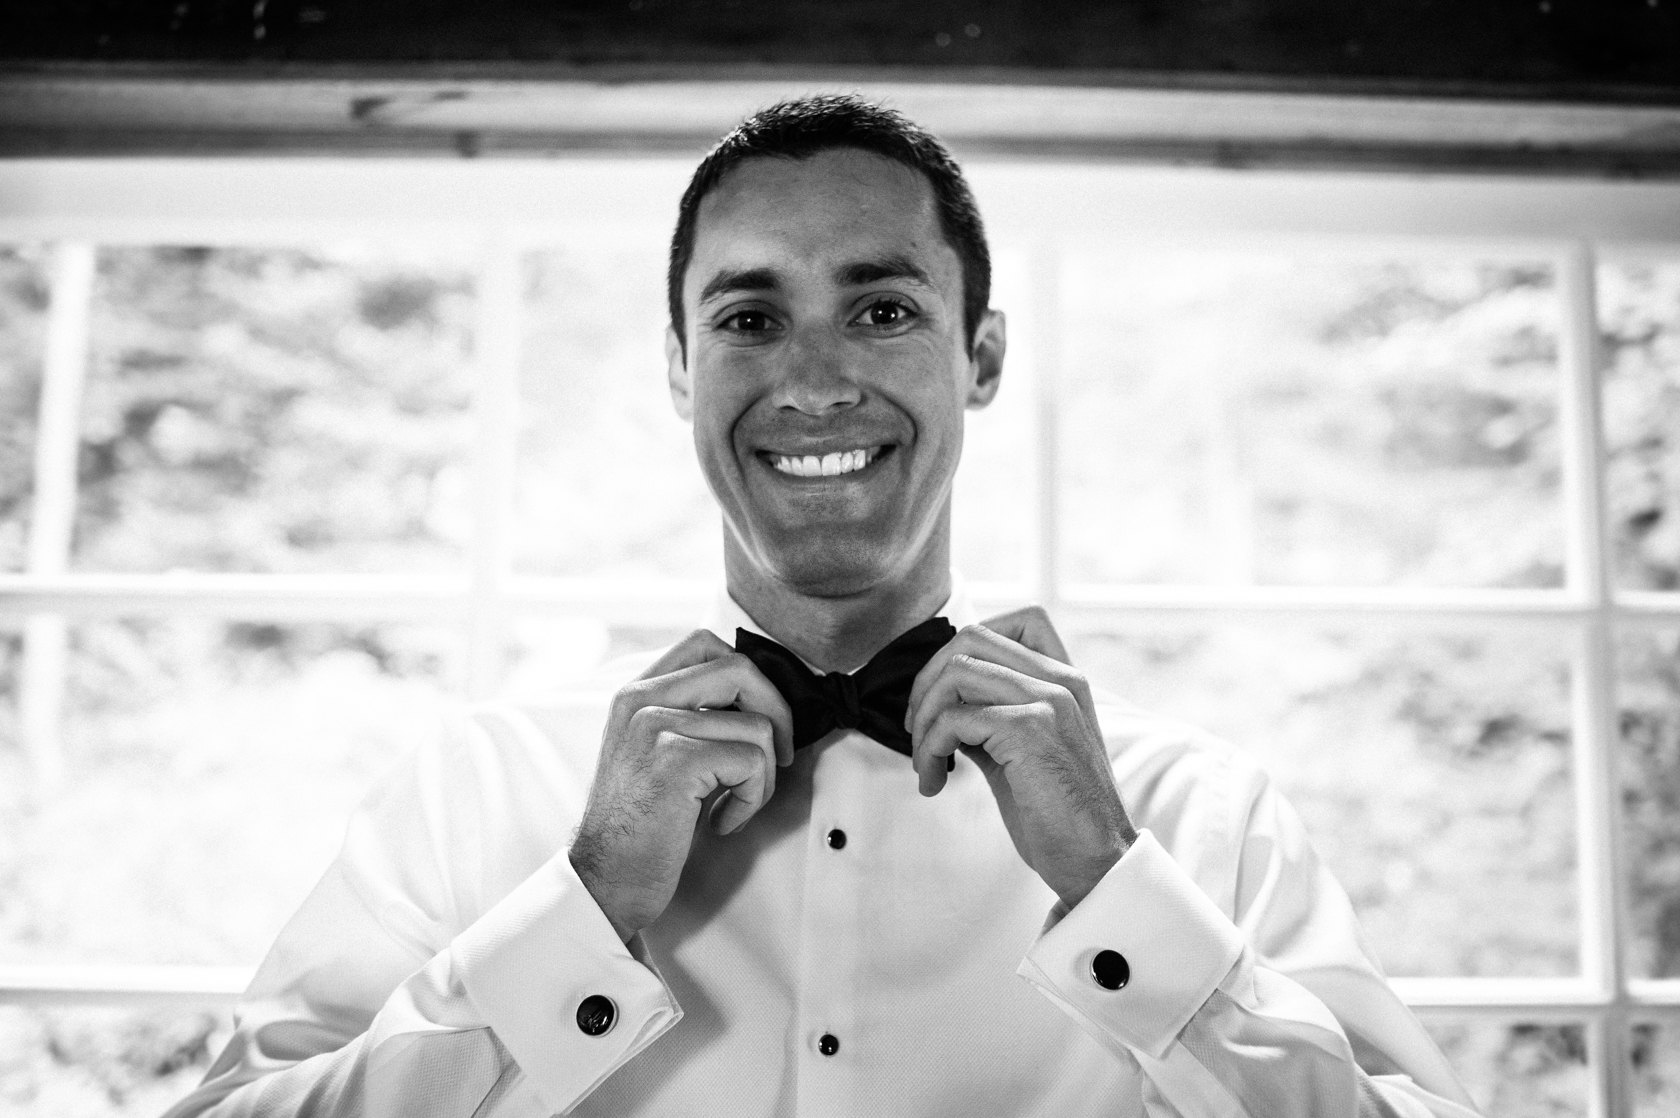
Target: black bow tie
[(872, 699)]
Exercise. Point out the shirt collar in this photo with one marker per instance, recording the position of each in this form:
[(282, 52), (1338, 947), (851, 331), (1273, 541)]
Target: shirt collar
[(726, 614)]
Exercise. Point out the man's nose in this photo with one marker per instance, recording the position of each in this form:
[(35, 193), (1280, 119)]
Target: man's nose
[(815, 377)]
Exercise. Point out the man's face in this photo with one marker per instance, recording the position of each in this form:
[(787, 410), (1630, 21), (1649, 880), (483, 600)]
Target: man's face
[(827, 371)]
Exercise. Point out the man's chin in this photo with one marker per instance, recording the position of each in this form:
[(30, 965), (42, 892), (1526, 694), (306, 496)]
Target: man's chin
[(842, 570)]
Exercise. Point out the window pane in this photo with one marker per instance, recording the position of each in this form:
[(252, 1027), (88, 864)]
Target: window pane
[(13, 773), (1432, 772), (1538, 1071), (23, 328), (276, 410), (1310, 419), (1655, 1055), (1639, 321), (608, 484), (1649, 699), (212, 767), (103, 1063), (993, 522)]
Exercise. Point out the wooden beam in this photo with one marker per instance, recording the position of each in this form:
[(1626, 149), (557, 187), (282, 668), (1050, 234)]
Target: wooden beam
[(93, 113)]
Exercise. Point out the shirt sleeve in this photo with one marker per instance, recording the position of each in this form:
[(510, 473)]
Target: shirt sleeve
[(381, 998), (1271, 1005)]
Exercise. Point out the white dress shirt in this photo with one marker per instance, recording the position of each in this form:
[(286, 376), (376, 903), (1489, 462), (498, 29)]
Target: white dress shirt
[(439, 966)]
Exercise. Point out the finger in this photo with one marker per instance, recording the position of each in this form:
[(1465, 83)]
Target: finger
[(985, 644), (723, 678), (963, 642), (746, 774), (1031, 626), (956, 727), (737, 767), (698, 647), (717, 726), (969, 679)]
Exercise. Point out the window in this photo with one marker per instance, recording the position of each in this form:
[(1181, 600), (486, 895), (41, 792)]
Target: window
[(1375, 475)]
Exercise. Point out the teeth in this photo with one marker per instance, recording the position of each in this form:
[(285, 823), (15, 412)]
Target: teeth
[(829, 465)]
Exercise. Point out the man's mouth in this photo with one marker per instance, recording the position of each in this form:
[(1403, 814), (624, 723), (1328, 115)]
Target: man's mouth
[(836, 464)]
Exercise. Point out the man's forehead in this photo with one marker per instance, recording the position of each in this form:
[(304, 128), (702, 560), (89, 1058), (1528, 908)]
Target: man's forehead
[(831, 172), (834, 209)]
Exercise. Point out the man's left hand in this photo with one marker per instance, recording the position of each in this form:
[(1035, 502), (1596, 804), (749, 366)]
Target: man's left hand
[(1005, 693)]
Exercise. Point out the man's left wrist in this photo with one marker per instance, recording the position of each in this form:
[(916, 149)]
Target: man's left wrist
[(1098, 868)]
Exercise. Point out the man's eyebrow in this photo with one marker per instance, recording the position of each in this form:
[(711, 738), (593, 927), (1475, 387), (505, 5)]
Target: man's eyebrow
[(746, 279), (894, 266)]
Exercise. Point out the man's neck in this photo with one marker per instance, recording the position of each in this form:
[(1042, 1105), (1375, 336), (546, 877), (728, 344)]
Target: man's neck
[(838, 634)]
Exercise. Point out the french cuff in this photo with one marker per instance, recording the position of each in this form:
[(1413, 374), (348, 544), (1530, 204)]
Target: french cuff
[(568, 999), (1135, 959)]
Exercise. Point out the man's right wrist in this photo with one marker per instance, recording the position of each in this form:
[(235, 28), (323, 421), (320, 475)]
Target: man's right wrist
[(583, 864)]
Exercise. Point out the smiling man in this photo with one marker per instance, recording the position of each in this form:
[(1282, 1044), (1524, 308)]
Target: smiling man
[(844, 851)]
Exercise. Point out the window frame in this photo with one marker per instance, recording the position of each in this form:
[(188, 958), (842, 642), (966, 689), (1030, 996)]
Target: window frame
[(75, 204)]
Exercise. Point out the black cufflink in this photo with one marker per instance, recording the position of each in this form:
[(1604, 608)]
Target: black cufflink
[(1111, 970), (596, 1014)]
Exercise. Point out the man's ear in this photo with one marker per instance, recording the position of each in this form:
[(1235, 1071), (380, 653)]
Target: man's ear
[(676, 375), (985, 367)]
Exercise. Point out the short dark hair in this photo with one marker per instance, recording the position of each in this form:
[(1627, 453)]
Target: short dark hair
[(802, 127)]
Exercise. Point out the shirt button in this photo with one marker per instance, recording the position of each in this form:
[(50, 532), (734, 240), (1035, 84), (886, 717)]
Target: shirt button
[(596, 1014), (837, 839), (1111, 970), (828, 1044)]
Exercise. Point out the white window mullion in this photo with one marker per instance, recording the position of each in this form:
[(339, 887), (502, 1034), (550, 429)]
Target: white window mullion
[(1598, 790), (496, 347), (53, 510)]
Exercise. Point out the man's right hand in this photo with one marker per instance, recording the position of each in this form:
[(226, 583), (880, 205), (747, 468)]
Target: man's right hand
[(668, 745)]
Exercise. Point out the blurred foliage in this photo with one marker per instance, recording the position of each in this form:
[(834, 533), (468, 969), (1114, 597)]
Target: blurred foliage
[(23, 321), (1649, 696), (1639, 314), (1655, 1055), (275, 410), (1536, 1071), (1309, 420), (102, 1063)]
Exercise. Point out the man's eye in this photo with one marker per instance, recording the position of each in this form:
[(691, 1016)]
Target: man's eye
[(886, 312), (747, 322)]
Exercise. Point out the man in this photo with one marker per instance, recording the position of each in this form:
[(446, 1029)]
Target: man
[(954, 882)]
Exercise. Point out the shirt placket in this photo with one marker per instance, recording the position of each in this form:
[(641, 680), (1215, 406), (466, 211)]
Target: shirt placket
[(837, 840)]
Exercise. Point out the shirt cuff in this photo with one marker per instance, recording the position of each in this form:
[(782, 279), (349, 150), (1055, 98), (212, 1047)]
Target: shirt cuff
[(529, 963), (1175, 943)]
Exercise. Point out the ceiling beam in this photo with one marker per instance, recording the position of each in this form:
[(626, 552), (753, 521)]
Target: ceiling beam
[(96, 113)]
